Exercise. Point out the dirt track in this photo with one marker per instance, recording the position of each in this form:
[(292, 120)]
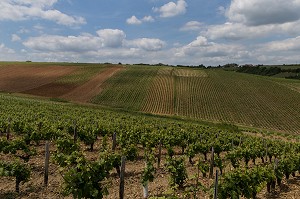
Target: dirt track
[(85, 92)]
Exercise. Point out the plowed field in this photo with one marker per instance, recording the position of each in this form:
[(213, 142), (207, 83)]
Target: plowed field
[(75, 83), (22, 78)]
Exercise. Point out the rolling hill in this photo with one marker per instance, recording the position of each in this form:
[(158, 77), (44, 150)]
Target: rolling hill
[(203, 94)]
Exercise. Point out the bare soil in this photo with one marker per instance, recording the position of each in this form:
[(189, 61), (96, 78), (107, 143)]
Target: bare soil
[(53, 90), (23, 78), (42, 81)]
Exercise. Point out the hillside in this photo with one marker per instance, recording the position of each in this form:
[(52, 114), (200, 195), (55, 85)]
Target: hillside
[(86, 141), (212, 95), (202, 94)]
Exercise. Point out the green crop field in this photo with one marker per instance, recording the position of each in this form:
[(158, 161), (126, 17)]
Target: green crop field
[(127, 89), (211, 95), (89, 144)]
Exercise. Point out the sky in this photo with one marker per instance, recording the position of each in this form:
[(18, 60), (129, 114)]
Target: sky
[(177, 32)]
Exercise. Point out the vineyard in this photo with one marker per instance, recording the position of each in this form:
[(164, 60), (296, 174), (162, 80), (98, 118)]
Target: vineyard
[(93, 150), (210, 95)]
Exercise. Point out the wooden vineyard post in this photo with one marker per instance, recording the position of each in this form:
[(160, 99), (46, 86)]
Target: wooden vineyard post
[(211, 169), (159, 154), (114, 141), (46, 172), (216, 185), (121, 190), (145, 191), (266, 155), (75, 131), (8, 129), (145, 186), (114, 144), (275, 167)]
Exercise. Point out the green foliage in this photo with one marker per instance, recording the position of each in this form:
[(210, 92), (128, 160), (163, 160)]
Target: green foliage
[(15, 169), (178, 173), (149, 170), (85, 179), (18, 147), (203, 167), (244, 182)]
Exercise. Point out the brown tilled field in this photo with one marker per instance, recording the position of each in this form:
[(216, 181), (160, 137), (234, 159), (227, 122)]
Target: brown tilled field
[(19, 78), (45, 81)]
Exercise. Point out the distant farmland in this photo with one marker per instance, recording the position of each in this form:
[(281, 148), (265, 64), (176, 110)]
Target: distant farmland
[(202, 94), (213, 95)]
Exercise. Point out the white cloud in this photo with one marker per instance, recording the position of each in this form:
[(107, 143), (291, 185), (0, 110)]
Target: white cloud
[(55, 43), (221, 10), (15, 37), (133, 21), (237, 31), (106, 39), (148, 19), (200, 41), (147, 44), (23, 31), (249, 20), (111, 37), (290, 44), (172, 9), (7, 54), (191, 26), (5, 50), (203, 48), (18, 10), (258, 12)]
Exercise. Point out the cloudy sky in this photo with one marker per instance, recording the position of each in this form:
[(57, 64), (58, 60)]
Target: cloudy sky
[(189, 32)]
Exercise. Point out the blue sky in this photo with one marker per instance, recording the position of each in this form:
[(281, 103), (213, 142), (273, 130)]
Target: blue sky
[(189, 32)]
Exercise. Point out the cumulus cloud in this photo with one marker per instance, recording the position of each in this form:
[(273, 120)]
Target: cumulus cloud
[(248, 20), (15, 38), (147, 44), (148, 19), (55, 43), (28, 9), (5, 50), (191, 26), (111, 37), (257, 12), (200, 41), (290, 44), (237, 31), (172, 9), (105, 39), (6, 53), (203, 48), (133, 20)]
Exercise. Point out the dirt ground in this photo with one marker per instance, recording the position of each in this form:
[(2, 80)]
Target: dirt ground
[(34, 189), (22, 78), (41, 81)]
